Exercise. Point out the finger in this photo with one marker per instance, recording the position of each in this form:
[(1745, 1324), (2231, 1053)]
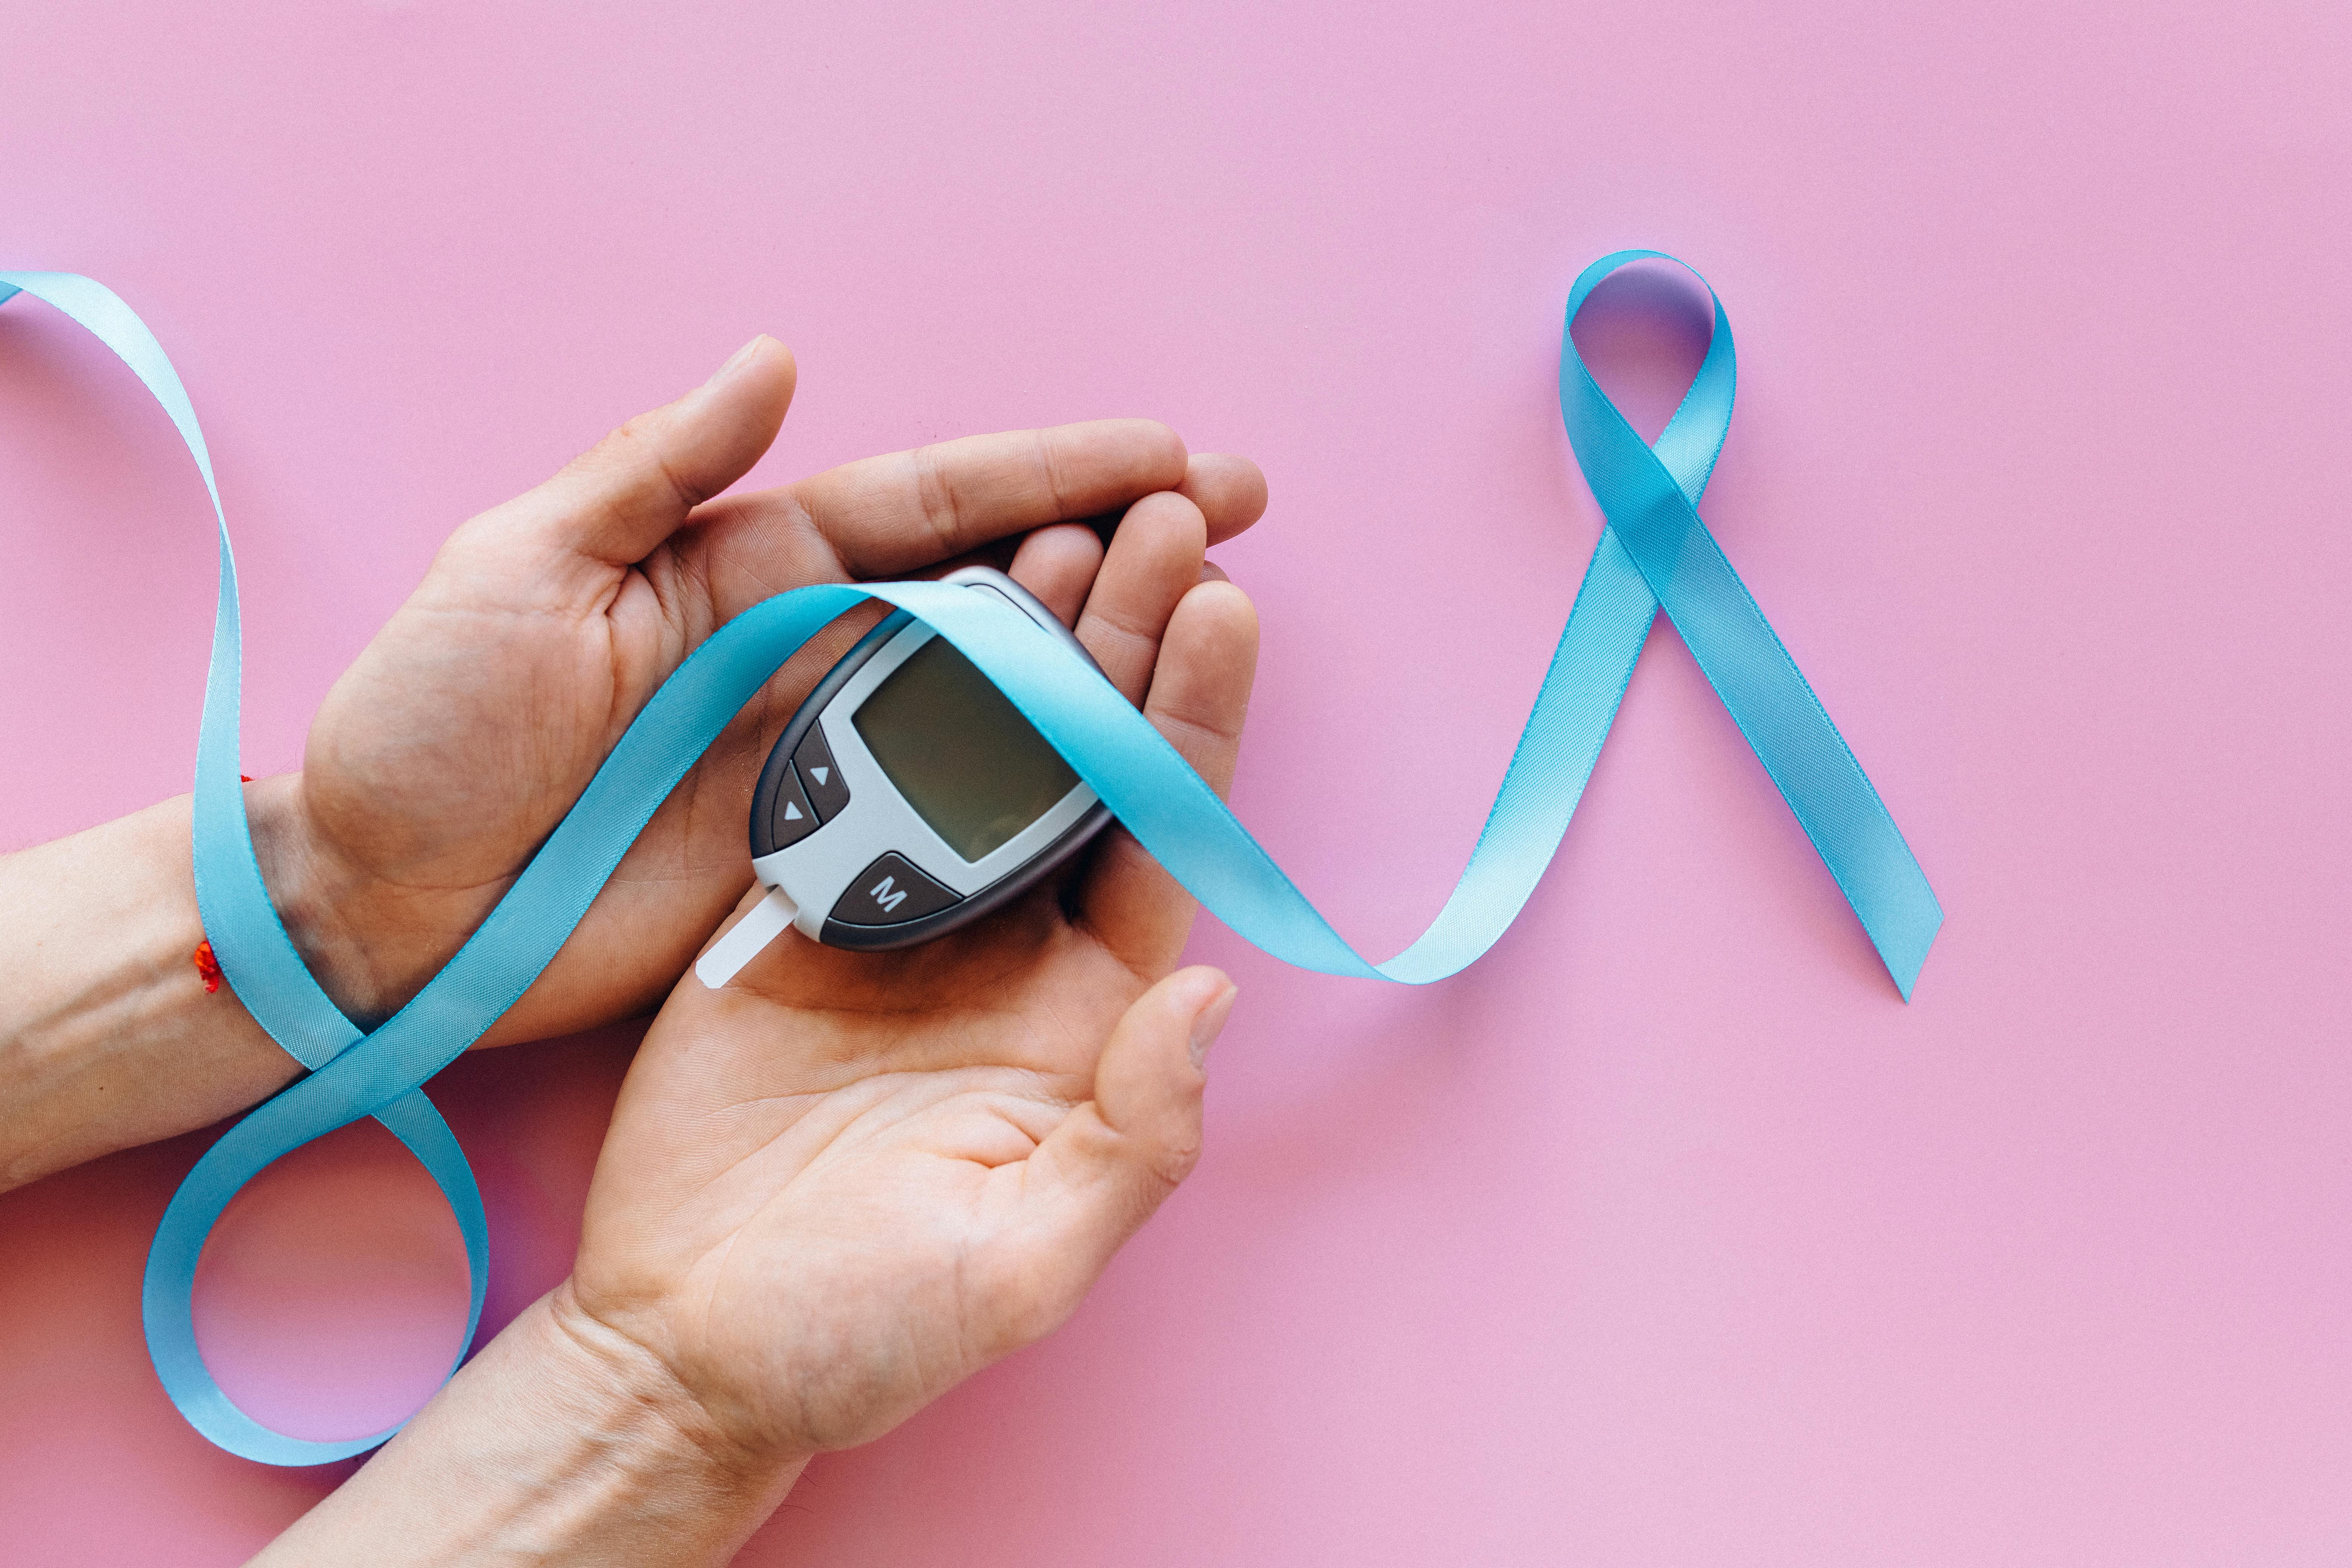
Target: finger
[(1100, 1174), (889, 515), (1154, 560), (1229, 490), (1199, 697), (634, 488), (1058, 565)]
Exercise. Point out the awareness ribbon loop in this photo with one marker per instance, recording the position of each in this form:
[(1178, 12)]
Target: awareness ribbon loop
[(1649, 496), (1653, 553)]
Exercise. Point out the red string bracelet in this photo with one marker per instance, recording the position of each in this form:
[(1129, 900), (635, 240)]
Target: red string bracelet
[(207, 965)]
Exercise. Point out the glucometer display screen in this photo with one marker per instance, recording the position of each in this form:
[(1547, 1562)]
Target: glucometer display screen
[(964, 756)]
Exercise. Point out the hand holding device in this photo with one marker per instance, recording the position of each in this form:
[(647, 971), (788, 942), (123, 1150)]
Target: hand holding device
[(848, 1180), (467, 729), (445, 755)]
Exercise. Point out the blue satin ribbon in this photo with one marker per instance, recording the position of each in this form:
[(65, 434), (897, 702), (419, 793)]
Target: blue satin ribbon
[(1653, 553)]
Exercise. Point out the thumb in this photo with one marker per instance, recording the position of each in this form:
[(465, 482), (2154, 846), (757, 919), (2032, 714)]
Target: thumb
[(632, 490), (1110, 1163)]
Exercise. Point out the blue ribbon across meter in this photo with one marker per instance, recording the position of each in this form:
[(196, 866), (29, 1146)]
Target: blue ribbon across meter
[(1653, 553)]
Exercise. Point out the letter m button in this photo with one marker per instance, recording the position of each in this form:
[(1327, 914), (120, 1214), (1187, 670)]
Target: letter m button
[(891, 891)]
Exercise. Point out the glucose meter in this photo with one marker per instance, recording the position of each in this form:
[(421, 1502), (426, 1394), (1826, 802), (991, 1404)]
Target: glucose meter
[(907, 797)]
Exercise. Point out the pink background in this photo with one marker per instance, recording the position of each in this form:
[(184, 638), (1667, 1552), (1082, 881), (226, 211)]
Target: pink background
[(1666, 1236)]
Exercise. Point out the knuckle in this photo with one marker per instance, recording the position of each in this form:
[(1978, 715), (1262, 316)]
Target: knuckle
[(623, 448), (1115, 637), (1190, 733), (1171, 1163), (935, 496), (636, 453), (1049, 471)]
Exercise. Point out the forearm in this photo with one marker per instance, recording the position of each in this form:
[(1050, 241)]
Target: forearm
[(108, 1036), (562, 1442)]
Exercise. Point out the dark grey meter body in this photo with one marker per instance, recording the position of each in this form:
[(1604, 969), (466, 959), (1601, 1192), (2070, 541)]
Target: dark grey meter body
[(907, 797)]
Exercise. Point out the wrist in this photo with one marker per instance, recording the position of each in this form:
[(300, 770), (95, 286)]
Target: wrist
[(109, 1035), (564, 1442), (330, 910), (679, 1431)]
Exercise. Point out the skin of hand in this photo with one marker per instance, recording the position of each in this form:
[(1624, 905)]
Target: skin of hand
[(845, 1182), (464, 731)]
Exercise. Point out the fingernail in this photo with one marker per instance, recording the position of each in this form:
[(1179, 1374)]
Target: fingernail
[(1210, 1022), (742, 357)]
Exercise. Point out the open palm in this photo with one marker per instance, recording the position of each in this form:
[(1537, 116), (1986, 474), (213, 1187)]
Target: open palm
[(457, 741), (845, 1182)]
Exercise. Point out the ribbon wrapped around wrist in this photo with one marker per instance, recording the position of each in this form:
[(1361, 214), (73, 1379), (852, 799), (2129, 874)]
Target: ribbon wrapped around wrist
[(1653, 553)]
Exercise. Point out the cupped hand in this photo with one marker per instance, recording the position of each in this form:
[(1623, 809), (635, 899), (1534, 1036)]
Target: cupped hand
[(463, 733), (843, 1182)]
